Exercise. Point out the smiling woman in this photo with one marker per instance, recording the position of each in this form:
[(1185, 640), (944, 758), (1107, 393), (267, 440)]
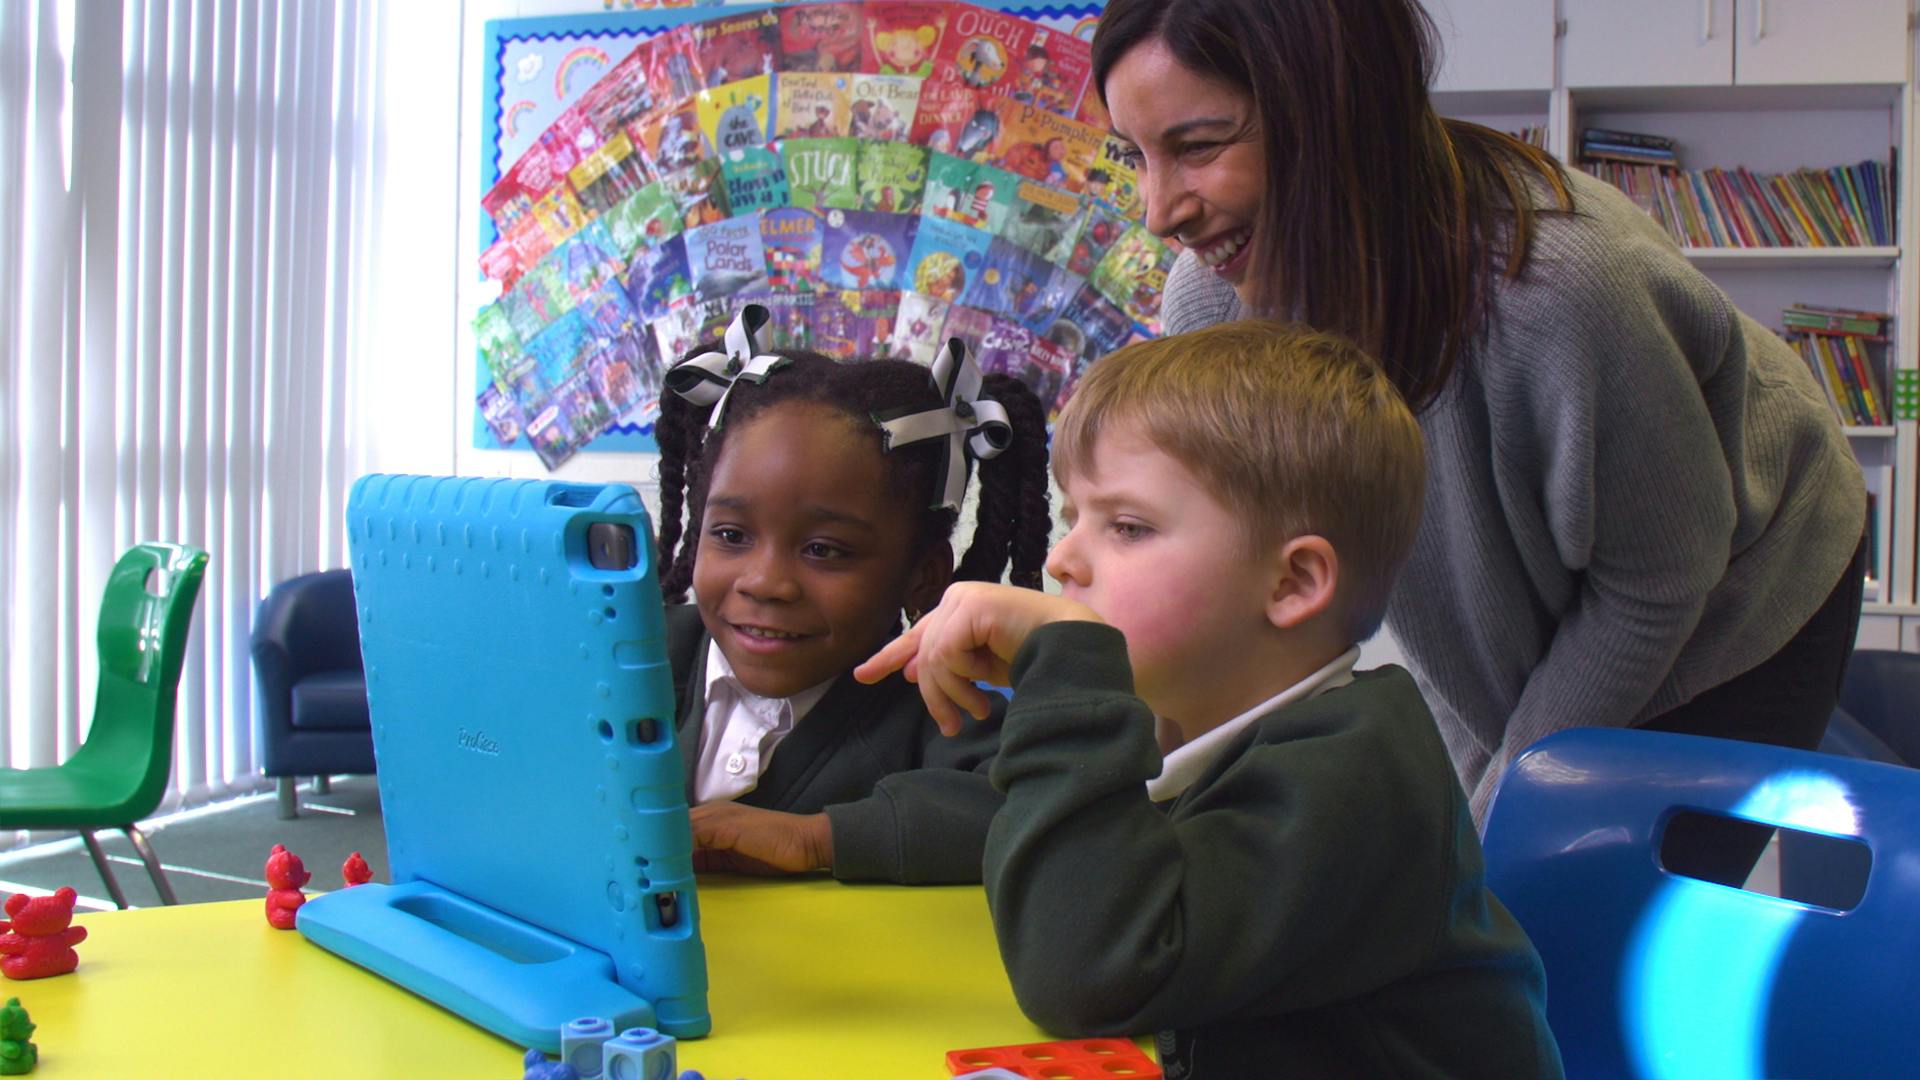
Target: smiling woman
[(1639, 510)]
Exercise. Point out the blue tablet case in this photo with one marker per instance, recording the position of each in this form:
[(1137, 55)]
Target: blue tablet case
[(523, 725)]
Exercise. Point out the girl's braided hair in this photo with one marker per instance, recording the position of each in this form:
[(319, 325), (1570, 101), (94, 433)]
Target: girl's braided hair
[(1012, 523)]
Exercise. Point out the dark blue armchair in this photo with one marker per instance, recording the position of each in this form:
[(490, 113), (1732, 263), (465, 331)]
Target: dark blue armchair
[(306, 654)]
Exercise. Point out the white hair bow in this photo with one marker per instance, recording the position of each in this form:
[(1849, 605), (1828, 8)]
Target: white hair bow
[(971, 424), (709, 378)]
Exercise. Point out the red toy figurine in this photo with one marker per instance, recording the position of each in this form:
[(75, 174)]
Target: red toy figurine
[(355, 871), (41, 940), (285, 874)]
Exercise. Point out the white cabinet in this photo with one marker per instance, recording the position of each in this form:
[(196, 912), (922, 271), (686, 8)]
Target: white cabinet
[(1618, 43), (1648, 43), (1789, 42), (1494, 44)]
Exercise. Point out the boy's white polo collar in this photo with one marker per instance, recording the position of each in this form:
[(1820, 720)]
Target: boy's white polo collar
[(1185, 764)]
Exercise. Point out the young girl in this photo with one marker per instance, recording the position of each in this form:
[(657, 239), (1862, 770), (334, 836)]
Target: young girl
[(821, 497)]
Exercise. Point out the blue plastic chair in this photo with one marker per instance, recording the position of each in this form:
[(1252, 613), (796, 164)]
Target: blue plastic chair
[(1878, 717), (1652, 974)]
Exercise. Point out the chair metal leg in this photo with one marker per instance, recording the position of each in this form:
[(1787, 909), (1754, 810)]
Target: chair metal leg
[(289, 804), (159, 876), (323, 784), (106, 872)]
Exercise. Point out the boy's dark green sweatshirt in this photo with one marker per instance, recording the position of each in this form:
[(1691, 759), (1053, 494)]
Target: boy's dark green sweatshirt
[(1312, 906), (906, 803)]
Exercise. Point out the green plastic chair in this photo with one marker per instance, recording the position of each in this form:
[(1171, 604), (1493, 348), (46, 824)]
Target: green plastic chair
[(119, 774)]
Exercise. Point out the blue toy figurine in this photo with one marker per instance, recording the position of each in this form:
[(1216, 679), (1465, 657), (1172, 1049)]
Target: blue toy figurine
[(539, 1068)]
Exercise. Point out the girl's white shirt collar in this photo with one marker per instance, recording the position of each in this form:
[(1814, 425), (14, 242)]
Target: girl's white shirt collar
[(740, 728)]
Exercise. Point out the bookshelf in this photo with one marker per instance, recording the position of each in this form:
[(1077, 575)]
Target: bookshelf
[(1769, 85)]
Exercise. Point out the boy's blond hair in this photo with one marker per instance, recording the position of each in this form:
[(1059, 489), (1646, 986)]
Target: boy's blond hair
[(1296, 432)]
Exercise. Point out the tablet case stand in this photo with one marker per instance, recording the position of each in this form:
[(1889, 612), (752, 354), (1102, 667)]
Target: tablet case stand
[(532, 791)]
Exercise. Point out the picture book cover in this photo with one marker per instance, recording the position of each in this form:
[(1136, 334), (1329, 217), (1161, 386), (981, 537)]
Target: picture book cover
[(1061, 287), (1103, 228), (675, 141), (736, 115), (674, 69), (729, 48), (1044, 146), (756, 179), (946, 259), (981, 48), (1091, 326), (616, 378), (558, 215), (605, 178), (539, 299), (882, 106), (945, 110), (1003, 348), (791, 326), (526, 182), (1009, 282), (1112, 181), (658, 278), (499, 345), (501, 262), (862, 249), (680, 330), (1052, 71), (526, 243), (607, 312), (892, 177), (1133, 274), (586, 262), (969, 324), (500, 413), (1049, 365), (971, 193), (570, 418), (624, 96), (569, 139), (791, 239), (1093, 113), (726, 258), (700, 191), (904, 37), (854, 324), (821, 173), (1045, 220), (648, 216), (811, 105), (917, 327), (557, 351), (821, 37)]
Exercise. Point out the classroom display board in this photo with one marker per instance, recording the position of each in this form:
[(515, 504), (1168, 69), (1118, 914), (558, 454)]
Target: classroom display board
[(882, 176)]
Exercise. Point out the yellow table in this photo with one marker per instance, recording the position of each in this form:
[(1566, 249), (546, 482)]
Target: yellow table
[(810, 980)]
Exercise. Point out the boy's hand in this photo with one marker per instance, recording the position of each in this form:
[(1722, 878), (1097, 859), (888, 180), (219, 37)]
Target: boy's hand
[(750, 840), (974, 634)]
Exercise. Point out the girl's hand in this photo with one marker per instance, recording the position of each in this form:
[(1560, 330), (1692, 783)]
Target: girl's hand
[(750, 840), (974, 634)]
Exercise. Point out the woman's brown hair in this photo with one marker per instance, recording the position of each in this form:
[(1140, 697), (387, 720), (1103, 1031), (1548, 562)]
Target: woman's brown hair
[(1382, 221)]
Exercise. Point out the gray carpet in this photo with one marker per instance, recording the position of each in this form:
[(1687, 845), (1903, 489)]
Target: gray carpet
[(217, 855)]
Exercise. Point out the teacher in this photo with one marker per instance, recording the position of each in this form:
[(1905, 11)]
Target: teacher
[(1640, 510)]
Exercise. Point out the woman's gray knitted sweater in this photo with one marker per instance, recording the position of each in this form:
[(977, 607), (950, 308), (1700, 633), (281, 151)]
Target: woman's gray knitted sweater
[(1634, 492)]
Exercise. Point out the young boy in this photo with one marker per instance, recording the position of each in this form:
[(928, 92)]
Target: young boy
[(1286, 883)]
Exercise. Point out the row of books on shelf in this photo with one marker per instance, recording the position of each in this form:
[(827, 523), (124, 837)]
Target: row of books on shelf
[(1845, 206), (1633, 148), (1846, 350)]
